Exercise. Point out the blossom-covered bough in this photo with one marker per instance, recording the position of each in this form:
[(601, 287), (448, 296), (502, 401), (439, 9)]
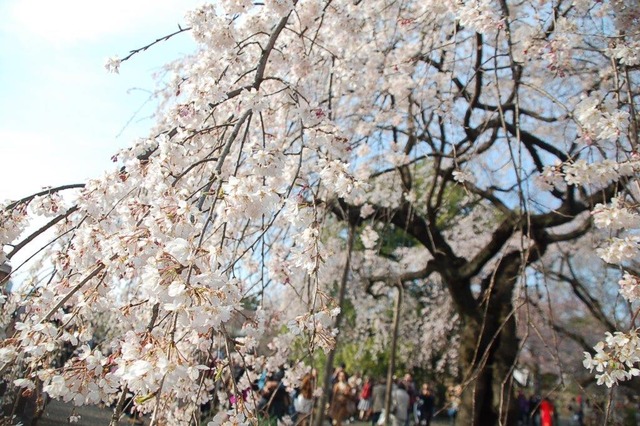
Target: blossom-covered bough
[(482, 131)]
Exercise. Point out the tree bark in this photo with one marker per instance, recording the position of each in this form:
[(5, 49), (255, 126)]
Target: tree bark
[(487, 363), (489, 350)]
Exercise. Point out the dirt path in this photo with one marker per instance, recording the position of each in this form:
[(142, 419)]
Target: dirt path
[(57, 413)]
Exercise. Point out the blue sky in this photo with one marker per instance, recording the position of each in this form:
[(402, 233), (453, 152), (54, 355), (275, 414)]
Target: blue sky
[(61, 114)]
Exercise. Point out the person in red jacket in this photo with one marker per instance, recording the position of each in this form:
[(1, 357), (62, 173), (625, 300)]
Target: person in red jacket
[(546, 412), (364, 405)]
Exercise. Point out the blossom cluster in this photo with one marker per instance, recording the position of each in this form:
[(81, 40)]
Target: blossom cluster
[(319, 325), (581, 172), (12, 223), (616, 358), (601, 120)]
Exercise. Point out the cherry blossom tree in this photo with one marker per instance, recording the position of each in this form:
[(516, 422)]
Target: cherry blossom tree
[(484, 132)]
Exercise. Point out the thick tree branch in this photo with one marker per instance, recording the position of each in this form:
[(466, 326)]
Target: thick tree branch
[(572, 235), (405, 277), (530, 140)]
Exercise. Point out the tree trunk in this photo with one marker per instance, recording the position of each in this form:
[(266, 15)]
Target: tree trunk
[(487, 366), (392, 358), (489, 350)]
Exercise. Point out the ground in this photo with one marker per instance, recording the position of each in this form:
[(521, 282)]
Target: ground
[(57, 413)]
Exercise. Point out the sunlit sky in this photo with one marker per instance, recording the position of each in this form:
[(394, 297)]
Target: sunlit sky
[(62, 116)]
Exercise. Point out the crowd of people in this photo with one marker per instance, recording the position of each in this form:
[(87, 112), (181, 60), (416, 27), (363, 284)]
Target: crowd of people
[(536, 410), (352, 398), (364, 398), (542, 411), (360, 398)]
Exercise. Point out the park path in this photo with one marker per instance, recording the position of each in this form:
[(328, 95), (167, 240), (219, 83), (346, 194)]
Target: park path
[(57, 413)]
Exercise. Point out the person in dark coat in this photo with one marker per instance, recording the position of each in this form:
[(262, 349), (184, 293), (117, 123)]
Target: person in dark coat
[(274, 400), (425, 405)]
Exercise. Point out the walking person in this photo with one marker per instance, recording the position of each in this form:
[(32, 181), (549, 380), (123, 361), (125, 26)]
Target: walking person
[(378, 396), (364, 405), (425, 405), (303, 403), (546, 412), (410, 387), (523, 408), (340, 398), (401, 404), (274, 400)]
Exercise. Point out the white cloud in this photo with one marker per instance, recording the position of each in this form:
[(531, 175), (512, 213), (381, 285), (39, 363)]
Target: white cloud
[(72, 21)]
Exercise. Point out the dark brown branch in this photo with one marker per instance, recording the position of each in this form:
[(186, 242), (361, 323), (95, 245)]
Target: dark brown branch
[(74, 290), (530, 139), (592, 304), (40, 231), (262, 64), (44, 192), (578, 232), (161, 39), (489, 196), (500, 236), (405, 277)]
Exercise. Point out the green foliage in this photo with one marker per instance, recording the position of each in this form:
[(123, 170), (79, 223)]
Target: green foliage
[(390, 239), (251, 302), (360, 357), (356, 355), (452, 206)]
